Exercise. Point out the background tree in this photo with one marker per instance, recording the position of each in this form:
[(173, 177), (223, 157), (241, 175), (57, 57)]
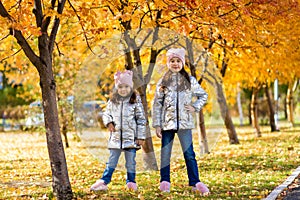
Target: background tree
[(245, 29), (192, 65), (265, 45), (17, 19)]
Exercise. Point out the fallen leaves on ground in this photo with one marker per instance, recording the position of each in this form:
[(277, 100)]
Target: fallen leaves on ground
[(250, 170)]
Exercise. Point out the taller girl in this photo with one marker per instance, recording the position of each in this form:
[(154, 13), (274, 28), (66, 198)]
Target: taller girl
[(173, 109)]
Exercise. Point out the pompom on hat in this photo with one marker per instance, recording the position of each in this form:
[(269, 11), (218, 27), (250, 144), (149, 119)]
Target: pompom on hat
[(123, 78), (176, 52)]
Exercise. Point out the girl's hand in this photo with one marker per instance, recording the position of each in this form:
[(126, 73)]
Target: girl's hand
[(189, 108), (158, 131), (111, 127), (140, 142)]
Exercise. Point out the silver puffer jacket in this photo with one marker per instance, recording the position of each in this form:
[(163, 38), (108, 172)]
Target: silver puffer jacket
[(130, 123), (169, 112)]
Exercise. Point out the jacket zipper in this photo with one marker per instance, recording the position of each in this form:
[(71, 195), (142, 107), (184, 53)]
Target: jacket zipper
[(121, 127), (177, 102)]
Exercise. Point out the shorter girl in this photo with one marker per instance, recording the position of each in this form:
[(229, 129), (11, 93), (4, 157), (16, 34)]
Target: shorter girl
[(125, 119)]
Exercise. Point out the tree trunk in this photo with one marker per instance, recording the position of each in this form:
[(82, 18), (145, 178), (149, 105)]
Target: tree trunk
[(290, 102), (64, 128), (233, 139), (239, 104), (254, 108), (64, 121), (289, 106), (249, 114), (202, 132), (148, 150), (285, 107), (4, 116), (200, 117), (141, 83), (271, 109), (60, 178)]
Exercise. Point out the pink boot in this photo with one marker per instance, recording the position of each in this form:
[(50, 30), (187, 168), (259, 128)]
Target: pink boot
[(201, 187), (165, 186), (132, 186), (99, 186)]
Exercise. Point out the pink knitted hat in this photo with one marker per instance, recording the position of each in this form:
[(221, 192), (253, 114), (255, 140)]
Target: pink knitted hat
[(123, 78), (178, 53)]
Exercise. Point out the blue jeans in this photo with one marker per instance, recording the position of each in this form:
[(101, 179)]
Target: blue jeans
[(113, 161), (185, 138)]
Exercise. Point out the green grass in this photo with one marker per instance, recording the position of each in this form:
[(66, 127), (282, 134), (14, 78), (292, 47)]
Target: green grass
[(250, 170)]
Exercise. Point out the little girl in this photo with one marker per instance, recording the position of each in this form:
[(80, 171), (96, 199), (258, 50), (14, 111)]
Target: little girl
[(172, 113), (125, 119)]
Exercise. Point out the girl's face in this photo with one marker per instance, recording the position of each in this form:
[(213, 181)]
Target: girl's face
[(124, 90), (175, 64)]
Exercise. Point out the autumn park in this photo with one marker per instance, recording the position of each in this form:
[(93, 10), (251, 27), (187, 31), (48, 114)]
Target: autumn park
[(57, 66)]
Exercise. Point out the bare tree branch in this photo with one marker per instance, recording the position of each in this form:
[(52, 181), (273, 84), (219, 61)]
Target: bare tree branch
[(34, 59), (85, 37), (7, 57), (167, 46), (145, 39), (38, 12), (5, 37), (4, 13), (54, 31)]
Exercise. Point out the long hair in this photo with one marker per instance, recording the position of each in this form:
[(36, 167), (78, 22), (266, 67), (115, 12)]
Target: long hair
[(116, 98), (184, 80)]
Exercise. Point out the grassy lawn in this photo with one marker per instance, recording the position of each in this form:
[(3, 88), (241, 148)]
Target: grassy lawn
[(250, 170)]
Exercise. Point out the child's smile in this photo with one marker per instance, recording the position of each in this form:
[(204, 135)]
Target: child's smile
[(175, 64), (124, 90)]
